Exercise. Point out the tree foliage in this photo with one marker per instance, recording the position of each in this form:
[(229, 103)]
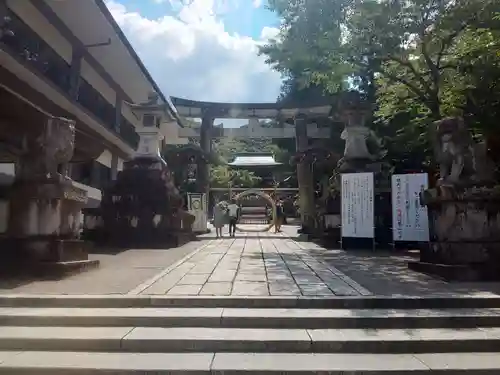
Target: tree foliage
[(417, 60), (225, 149), (222, 176)]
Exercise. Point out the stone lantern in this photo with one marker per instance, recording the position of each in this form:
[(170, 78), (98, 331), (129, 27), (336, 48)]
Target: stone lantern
[(143, 207), (152, 114)]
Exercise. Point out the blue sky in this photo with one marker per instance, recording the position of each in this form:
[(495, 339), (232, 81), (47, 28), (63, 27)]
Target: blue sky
[(203, 49), (244, 19)]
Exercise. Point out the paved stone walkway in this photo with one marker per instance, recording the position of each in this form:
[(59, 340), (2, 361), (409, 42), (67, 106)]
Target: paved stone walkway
[(119, 272), (253, 264)]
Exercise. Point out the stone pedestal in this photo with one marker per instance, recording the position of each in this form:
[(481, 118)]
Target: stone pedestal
[(44, 225), (465, 234), (44, 207)]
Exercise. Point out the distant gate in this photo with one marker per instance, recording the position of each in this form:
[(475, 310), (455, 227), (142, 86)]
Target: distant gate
[(266, 197)]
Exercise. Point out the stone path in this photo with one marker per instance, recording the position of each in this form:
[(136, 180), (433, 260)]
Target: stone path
[(386, 273), (253, 264), (118, 273)]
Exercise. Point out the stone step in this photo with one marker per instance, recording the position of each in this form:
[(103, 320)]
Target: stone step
[(84, 363), (251, 318), (354, 302), (251, 340)]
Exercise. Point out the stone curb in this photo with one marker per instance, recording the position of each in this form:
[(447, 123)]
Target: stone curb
[(77, 363), (347, 302), (192, 339), (251, 318)]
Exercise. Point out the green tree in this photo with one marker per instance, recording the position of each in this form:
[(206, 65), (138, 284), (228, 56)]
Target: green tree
[(298, 52), (419, 59), (221, 176)]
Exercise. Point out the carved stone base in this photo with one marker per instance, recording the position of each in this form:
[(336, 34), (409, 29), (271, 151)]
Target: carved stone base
[(46, 256), (49, 208), (465, 234), (43, 229)]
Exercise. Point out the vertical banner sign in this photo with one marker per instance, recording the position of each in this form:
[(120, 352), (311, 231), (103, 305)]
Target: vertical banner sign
[(358, 219), (409, 219)]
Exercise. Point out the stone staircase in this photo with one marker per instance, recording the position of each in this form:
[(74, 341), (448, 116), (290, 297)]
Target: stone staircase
[(213, 335), (254, 215)]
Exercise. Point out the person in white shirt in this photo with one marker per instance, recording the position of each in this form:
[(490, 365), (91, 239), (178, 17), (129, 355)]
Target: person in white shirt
[(220, 212), (233, 211)]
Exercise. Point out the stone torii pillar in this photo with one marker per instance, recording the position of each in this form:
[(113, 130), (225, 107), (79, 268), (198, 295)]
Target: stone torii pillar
[(304, 177), (199, 202), (207, 122)]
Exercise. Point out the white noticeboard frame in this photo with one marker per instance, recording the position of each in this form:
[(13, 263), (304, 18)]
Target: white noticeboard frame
[(197, 206), (358, 201), (410, 220)]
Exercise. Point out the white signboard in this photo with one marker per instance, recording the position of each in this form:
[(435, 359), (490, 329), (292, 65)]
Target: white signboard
[(358, 218), (197, 206), (409, 219)]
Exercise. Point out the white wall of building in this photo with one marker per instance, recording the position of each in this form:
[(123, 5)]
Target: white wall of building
[(105, 158)]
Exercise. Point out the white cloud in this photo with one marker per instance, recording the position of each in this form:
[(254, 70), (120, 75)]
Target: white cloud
[(257, 3), (191, 55), (269, 33)]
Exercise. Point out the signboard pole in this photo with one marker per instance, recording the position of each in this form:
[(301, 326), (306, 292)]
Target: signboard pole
[(197, 206)]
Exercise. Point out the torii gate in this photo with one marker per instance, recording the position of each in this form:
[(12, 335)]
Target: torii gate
[(300, 122)]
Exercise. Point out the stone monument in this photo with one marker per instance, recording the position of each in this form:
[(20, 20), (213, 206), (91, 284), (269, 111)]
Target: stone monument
[(45, 208), (143, 207), (464, 208)]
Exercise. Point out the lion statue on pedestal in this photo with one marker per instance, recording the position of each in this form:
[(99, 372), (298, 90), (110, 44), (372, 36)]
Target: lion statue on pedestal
[(48, 155), (462, 161)]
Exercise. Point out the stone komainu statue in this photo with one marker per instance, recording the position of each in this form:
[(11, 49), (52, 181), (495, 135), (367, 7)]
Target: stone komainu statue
[(48, 155), (462, 162)]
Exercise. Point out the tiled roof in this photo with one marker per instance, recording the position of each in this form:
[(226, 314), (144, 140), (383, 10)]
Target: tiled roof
[(255, 160)]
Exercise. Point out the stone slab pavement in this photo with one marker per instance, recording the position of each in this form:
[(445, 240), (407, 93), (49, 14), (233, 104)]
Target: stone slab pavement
[(253, 264), (269, 264), (385, 273), (119, 273)]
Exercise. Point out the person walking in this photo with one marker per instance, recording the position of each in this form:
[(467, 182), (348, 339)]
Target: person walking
[(234, 213), (220, 214), (279, 216)]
